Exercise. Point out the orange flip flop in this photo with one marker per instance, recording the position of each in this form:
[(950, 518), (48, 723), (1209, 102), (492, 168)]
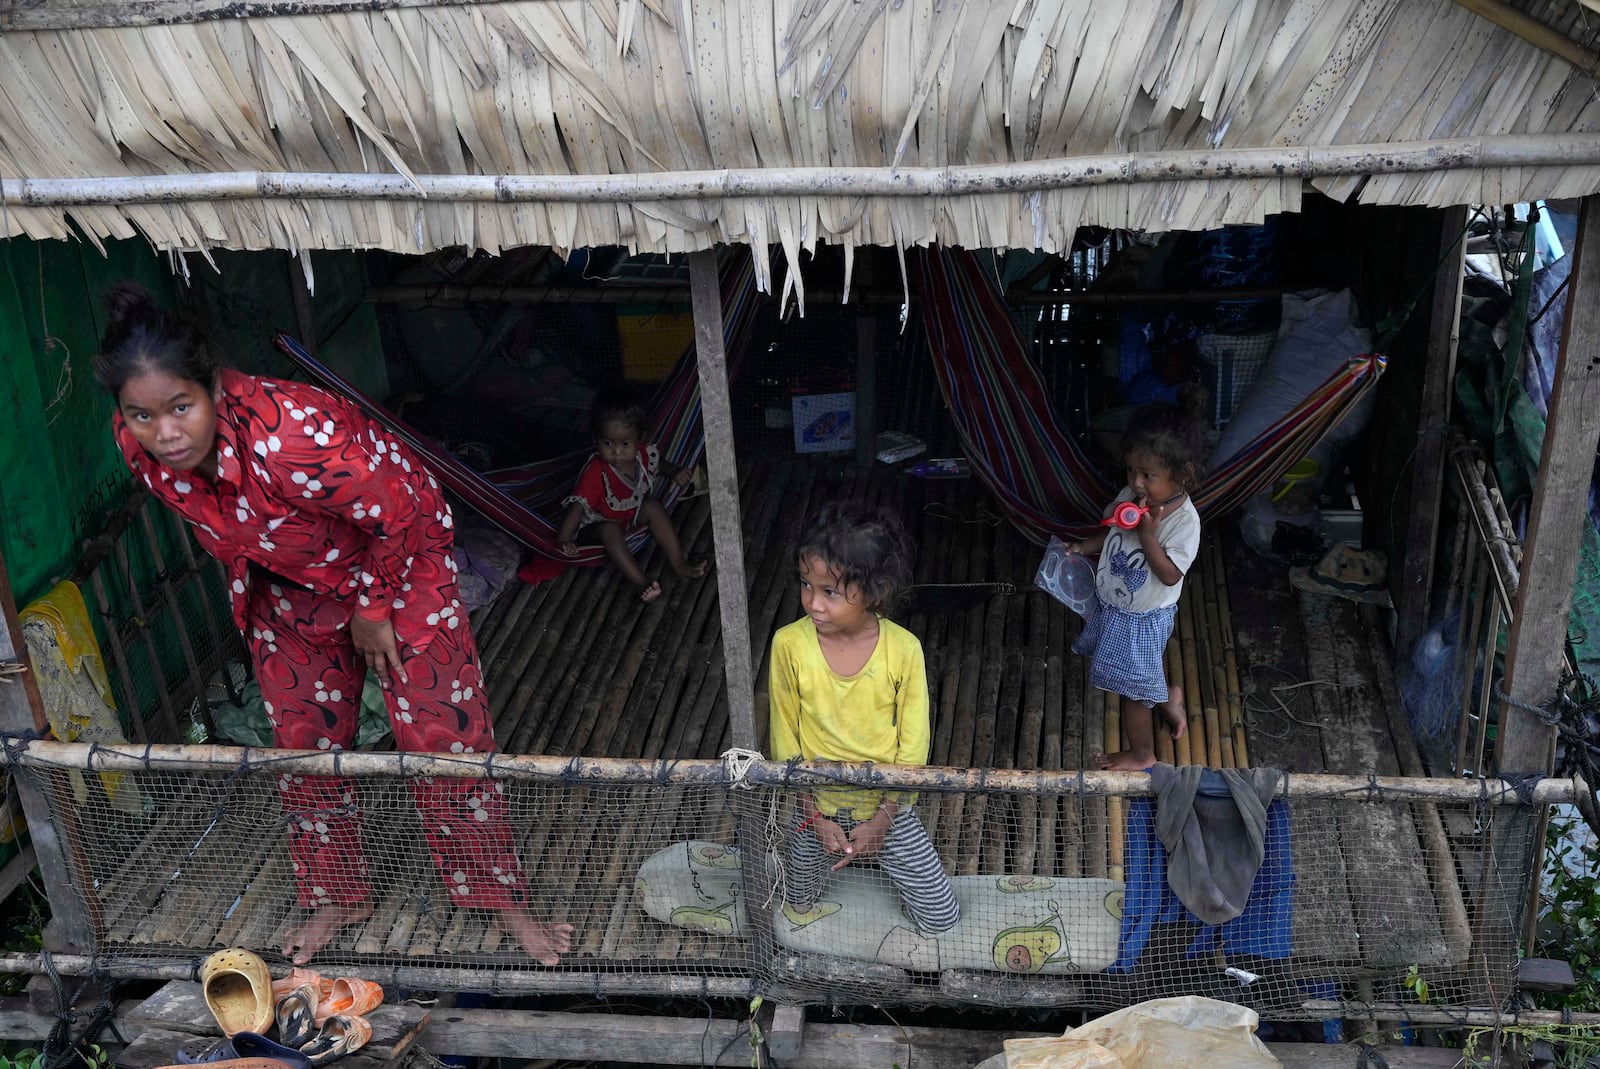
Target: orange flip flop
[(300, 976), (238, 991), (349, 997)]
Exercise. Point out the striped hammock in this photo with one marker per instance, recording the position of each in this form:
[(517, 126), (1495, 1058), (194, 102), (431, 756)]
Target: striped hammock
[(1019, 448), (518, 499)]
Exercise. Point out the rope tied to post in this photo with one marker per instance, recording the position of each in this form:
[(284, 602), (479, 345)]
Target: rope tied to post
[(736, 764), (1573, 710)]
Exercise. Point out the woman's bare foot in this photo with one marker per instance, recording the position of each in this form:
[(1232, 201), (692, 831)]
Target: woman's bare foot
[(545, 943), (691, 569), (1124, 761), (650, 592), (1175, 714), (302, 941)]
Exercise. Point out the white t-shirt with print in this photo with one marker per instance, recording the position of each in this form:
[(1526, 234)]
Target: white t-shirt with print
[(1123, 577)]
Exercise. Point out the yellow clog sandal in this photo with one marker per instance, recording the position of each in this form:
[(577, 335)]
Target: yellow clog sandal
[(238, 990)]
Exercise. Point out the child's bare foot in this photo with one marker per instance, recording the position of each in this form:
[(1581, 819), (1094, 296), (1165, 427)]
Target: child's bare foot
[(1124, 761), (650, 592), (1176, 715), (545, 943), (302, 941), (691, 569)]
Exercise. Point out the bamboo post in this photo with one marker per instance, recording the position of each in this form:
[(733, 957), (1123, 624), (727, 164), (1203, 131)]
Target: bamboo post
[(1474, 589), (1425, 492), (1193, 701), (1115, 831), (723, 475), (1241, 749)]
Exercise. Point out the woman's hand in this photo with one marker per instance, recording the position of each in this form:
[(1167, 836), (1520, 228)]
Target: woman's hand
[(375, 640)]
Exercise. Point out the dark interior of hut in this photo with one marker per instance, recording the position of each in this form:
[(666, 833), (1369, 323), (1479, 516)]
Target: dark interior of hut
[(496, 359)]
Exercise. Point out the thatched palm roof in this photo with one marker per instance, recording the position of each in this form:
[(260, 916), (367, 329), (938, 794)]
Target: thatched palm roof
[(597, 87)]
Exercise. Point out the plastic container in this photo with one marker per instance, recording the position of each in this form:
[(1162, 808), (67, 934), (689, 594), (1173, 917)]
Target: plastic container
[(1295, 492)]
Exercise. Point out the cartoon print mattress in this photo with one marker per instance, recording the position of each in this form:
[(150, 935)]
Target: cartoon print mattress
[(1011, 924)]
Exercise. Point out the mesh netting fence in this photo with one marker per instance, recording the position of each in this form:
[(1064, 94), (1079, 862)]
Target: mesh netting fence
[(680, 878)]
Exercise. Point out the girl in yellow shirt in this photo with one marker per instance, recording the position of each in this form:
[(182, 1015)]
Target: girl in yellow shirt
[(848, 684)]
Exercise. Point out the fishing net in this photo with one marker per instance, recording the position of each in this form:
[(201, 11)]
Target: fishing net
[(679, 879)]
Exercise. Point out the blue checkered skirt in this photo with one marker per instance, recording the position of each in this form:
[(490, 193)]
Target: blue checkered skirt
[(1126, 651)]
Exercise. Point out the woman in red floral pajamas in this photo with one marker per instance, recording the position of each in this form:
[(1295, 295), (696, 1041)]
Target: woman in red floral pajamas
[(337, 544)]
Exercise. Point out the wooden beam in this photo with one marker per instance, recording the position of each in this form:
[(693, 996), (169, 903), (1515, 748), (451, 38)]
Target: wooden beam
[(961, 180), (528, 1034), (716, 413), (1415, 578), (1541, 35), (1559, 513), (71, 926)]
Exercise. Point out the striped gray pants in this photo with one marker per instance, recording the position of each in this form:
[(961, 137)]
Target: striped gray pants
[(907, 858)]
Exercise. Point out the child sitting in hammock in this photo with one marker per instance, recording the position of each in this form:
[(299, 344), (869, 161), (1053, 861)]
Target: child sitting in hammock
[(1140, 576), (614, 493)]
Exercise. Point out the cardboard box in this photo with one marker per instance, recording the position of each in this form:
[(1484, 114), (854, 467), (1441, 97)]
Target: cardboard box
[(824, 422)]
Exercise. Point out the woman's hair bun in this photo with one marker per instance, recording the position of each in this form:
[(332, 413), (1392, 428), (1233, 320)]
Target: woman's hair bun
[(128, 304)]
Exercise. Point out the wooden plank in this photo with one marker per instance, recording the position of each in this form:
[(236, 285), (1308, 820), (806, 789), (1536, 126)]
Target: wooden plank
[(1413, 581), (1545, 974), (180, 1007), (1558, 517), (1272, 649), (723, 477), (530, 1034), (1397, 919)]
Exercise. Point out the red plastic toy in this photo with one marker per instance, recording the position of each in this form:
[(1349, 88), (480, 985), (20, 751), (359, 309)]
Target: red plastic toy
[(1125, 516)]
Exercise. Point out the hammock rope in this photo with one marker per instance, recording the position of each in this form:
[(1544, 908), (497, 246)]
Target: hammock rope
[(1020, 449), (513, 499)]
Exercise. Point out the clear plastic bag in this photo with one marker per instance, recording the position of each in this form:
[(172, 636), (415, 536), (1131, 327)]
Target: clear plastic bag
[(1158, 1034), (1067, 577)]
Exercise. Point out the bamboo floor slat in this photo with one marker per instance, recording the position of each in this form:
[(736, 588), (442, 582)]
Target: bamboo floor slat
[(579, 666)]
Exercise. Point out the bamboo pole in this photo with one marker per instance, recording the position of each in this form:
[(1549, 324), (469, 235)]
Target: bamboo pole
[(1539, 34), (1120, 169), (1192, 700), (1115, 830), (1241, 749), (42, 754)]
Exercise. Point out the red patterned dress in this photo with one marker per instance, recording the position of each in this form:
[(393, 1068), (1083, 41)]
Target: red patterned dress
[(317, 513)]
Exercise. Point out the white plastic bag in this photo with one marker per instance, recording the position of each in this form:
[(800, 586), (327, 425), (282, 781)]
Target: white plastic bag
[(1158, 1034)]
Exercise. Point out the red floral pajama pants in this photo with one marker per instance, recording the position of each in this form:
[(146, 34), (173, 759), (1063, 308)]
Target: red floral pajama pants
[(311, 679)]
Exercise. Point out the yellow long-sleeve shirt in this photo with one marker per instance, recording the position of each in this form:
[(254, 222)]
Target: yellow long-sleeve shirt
[(879, 714)]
